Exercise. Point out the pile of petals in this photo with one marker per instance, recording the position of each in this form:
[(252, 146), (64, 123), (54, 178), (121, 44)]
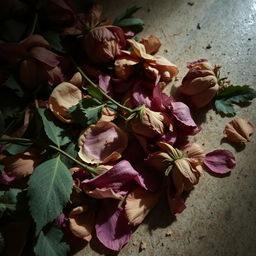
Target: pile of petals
[(89, 140)]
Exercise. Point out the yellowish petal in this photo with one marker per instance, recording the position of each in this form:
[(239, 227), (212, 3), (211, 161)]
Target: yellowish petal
[(138, 204)]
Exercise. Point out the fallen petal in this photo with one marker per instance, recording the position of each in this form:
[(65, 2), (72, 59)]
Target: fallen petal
[(220, 161), (112, 228), (101, 143), (138, 204), (239, 130)]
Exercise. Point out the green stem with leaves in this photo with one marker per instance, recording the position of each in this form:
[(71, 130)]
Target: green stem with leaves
[(101, 91), (92, 170)]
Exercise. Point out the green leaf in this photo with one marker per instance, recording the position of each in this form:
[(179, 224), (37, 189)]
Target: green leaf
[(72, 151), (94, 91), (224, 107), (15, 149), (50, 243), (49, 190), (8, 200), (134, 24), (55, 130), (12, 84), (87, 111), (127, 14), (112, 106), (1, 167), (244, 93), (233, 95), (54, 39)]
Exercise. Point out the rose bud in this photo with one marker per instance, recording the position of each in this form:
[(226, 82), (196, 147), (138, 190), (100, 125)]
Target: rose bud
[(200, 85), (102, 44), (149, 123)]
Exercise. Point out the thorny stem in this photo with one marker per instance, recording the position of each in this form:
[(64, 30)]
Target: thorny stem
[(92, 170), (101, 91)]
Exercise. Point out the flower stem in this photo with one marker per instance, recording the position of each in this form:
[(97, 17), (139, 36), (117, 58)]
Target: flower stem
[(101, 91), (24, 140), (34, 23)]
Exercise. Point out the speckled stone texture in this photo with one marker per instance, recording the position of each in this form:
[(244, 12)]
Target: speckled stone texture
[(220, 219)]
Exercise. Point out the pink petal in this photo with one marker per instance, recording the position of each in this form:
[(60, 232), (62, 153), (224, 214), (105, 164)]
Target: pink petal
[(112, 227), (104, 84), (182, 113), (45, 56), (116, 178), (6, 178), (220, 161), (102, 142)]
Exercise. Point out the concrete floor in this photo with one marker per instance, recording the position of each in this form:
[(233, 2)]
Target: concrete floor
[(220, 218)]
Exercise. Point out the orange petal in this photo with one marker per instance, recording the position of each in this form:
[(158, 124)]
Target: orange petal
[(23, 164), (81, 222), (139, 50), (63, 97), (202, 99), (125, 66), (239, 130), (194, 151), (101, 193), (151, 43), (138, 204)]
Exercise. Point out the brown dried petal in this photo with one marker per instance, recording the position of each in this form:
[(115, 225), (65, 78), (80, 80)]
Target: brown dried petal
[(81, 222), (63, 97), (138, 204), (22, 165), (239, 130), (202, 99), (151, 43)]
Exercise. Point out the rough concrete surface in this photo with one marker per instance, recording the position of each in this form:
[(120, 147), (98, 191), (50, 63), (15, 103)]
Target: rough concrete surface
[(220, 218)]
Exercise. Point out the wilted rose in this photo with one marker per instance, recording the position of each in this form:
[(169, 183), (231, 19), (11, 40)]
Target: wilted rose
[(102, 44), (37, 61), (155, 67), (184, 166), (150, 123), (200, 85)]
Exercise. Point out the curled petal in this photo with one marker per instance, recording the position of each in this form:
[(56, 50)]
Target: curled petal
[(220, 161), (156, 160), (112, 228), (151, 43), (202, 99), (45, 56), (182, 113), (125, 66), (138, 204), (139, 50), (194, 151), (81, 222), (21, 165), (63, 97), (101, 143), (239, 130), (204, 80), (115, 179), (166, 69), (185, 168), (77, 79), (34, 41)]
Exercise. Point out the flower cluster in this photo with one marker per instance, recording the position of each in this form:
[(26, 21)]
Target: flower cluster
[(96, 142)]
